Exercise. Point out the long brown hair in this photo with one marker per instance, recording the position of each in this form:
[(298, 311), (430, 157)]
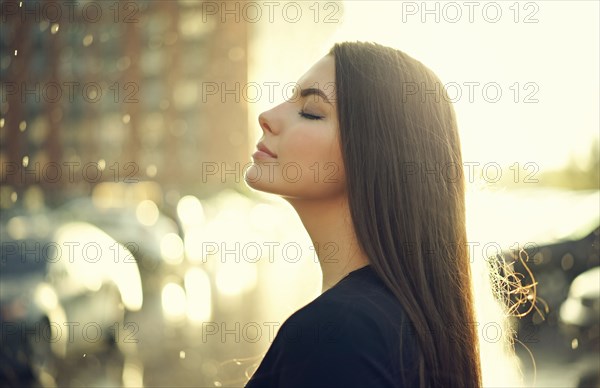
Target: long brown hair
[(403, 163)]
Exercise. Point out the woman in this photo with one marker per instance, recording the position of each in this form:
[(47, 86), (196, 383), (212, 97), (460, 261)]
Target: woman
[(367, 152)]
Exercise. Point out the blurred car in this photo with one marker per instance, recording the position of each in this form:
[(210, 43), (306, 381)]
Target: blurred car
[(141, 227), (580, 323), (580, 313), (555, 266), (63, 294)]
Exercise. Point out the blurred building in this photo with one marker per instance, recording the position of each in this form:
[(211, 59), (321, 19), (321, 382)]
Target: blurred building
[(119, 92)]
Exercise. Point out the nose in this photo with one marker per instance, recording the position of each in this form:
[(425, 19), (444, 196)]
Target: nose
[(266, 122)]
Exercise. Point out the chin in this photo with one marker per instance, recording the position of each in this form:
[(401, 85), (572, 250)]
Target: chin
[(304, 189)]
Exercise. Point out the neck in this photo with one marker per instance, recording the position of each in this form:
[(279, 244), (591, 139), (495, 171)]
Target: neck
[(329, 225)]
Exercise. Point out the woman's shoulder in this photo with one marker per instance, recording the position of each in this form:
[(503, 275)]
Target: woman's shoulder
[(359, 308), (362, 295), (352, 335)]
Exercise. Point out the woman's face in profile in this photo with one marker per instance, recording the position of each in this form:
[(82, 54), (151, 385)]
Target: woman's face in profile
[(303, 135)]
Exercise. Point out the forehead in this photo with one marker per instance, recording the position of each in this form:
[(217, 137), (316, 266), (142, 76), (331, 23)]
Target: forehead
[(321, 76)]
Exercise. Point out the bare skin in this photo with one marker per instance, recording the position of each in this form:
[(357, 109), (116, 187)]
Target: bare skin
[(329, 222), (304, 132)]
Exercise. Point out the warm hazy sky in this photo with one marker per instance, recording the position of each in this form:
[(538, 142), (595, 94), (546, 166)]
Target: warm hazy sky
[(559, 54)]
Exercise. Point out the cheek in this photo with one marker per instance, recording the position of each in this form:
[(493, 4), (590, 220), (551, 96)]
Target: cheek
[(316, 153), (306, 147)]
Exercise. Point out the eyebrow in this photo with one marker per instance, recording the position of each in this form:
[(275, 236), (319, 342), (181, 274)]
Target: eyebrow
[(314, 91)]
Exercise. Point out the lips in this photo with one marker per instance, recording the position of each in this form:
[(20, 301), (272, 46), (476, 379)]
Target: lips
[(263, 148)]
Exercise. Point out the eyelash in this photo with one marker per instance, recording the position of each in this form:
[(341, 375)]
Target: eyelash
[(309, 116)]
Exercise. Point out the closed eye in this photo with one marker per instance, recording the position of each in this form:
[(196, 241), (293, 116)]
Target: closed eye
[(309, 116)]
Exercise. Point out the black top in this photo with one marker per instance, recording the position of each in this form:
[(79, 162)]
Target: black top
[(355, 334)]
